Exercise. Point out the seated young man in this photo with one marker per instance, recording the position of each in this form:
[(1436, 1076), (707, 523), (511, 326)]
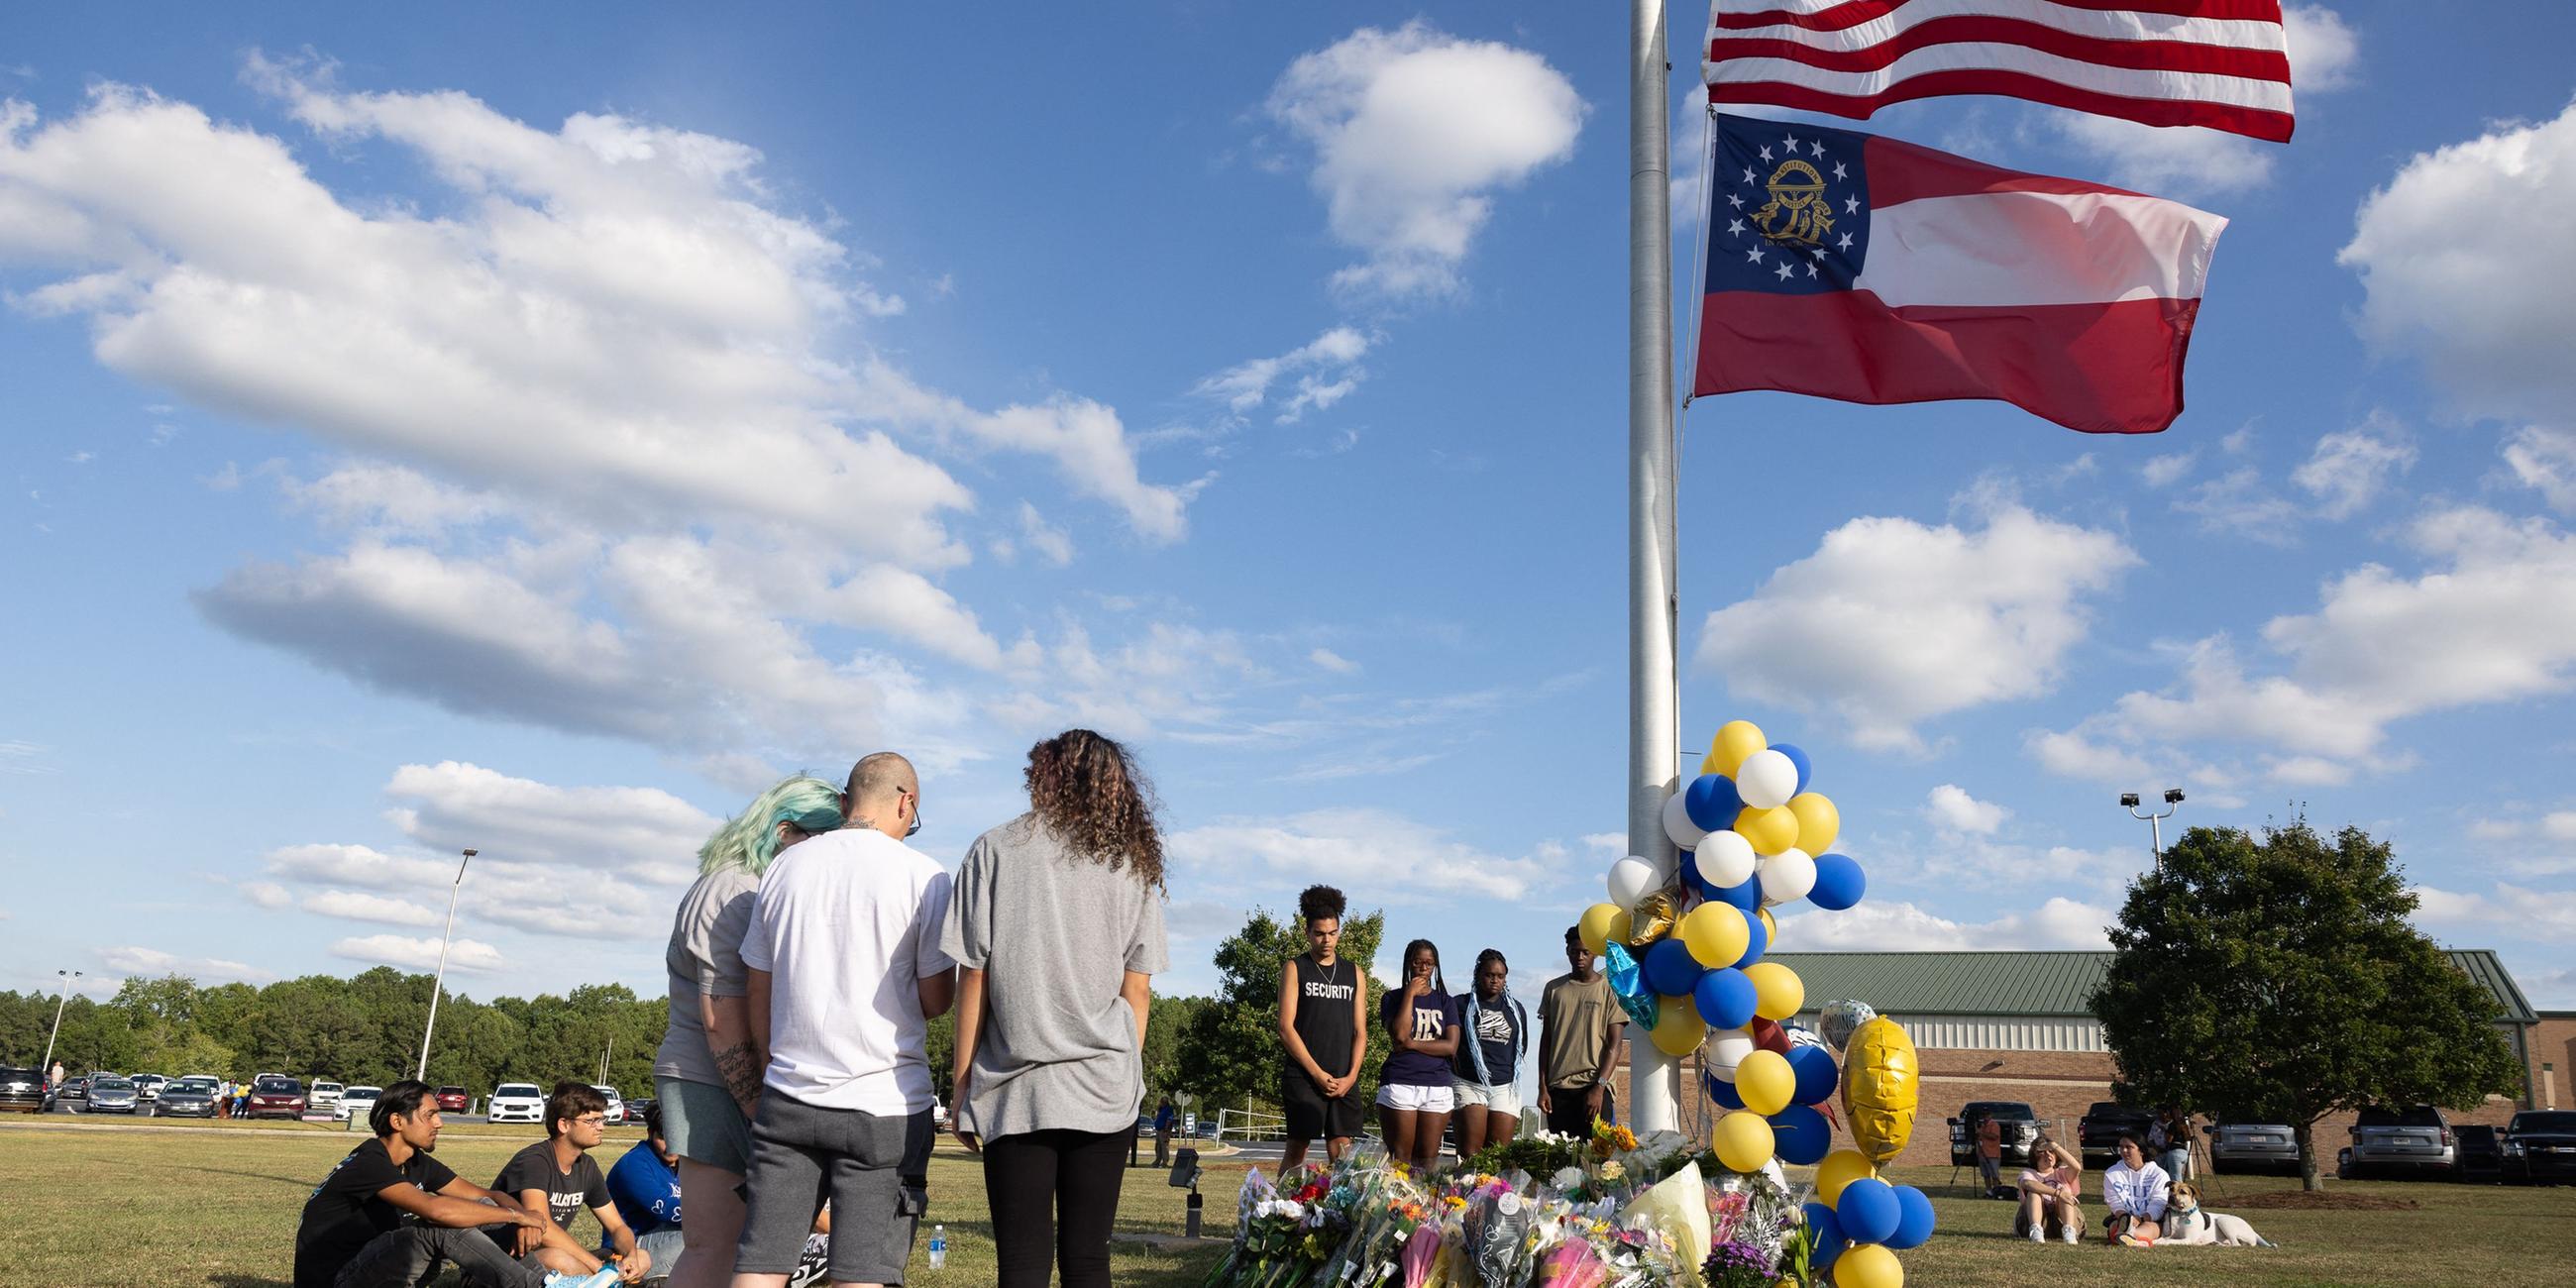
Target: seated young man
[(645, 1186), (390, 1213), (554, 1179)]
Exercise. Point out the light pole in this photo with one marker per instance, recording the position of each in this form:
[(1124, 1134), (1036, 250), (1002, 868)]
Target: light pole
[(59, 1003), (439, 982), (2155, 822)]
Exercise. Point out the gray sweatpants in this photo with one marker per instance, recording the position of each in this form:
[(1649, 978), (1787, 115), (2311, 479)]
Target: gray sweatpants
[(873, 1169), (408, 1256)]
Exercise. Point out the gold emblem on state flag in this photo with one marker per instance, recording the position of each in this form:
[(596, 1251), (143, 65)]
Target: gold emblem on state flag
[(1797, 214)]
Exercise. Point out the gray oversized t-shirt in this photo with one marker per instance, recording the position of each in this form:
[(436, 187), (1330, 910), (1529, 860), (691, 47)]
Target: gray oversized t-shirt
[(705, 956), (1055, 935)]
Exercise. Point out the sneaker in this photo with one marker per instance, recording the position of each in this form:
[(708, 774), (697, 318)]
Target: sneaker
[(2038, 1235), (2069, 1232), (604, 1277)]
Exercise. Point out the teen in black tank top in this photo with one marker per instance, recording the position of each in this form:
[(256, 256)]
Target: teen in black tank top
[(1324, 995)]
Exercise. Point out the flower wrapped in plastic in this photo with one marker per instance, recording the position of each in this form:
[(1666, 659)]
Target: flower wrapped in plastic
[(1570, 1263)]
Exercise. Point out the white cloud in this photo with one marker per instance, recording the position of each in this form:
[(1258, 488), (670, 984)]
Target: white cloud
[(1407, 861), (351, 905), (641, 832), (2073, 755), (2239, 503), (136, 960), (358, 865), (2349, 468), (1880, 926), (2167, 470), (2544, 457), (390, 498), (419, 954), (2512, 912), (1043, 539), (2323, 51), (1892, 622), (1413, 130), (267, 894), (1326, 369), (2477, 299), (1950, 807), (1333, 662)]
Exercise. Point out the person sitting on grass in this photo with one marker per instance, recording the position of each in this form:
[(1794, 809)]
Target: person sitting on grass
[(556, 1177), (2135, 1190), (2191, 1225), (645, 1187), (354, 1232), (2052, 1189)]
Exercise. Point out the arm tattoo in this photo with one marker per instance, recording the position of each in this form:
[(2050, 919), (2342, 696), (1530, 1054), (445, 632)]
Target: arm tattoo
[(741, 1073)]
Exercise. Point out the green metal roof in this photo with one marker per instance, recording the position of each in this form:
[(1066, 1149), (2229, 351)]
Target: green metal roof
[(2027, 983)]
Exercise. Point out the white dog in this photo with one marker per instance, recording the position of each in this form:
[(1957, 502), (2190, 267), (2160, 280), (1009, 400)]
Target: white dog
[(2189, 1224)]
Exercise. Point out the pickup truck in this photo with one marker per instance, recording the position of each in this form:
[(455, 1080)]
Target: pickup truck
[(2019, 1124), (2098, 1132)]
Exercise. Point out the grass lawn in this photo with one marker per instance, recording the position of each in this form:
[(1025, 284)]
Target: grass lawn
[(218, 1208)]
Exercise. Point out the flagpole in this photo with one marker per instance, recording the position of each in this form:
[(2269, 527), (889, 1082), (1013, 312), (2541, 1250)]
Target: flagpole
[(1654, 727)]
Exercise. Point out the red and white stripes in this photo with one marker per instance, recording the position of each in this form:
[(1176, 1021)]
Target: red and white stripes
[(2219, 63)]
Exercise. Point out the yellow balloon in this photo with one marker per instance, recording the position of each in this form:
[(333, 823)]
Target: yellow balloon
[(1716, 934), (1742, 1140), (1777, 991), (1868, 1265), (1735, 740), (1600, 924), (1818, 822), (1678, 1028), (1766, 1082), (1770, 928), (1708, 764), (1881, 1086), (1840, 1168), (1770, 830)]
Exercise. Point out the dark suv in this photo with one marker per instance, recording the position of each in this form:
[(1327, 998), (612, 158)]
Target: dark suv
[(2416, 1138), (2540, 1146), (2020, 1128), (2098, 1132), (22, 1090)]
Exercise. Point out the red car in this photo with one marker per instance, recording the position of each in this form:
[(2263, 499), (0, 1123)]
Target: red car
[(452, 1100), (272, 1096)]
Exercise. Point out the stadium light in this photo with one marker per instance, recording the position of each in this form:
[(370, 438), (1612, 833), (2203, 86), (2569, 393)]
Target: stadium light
[(438, 983)]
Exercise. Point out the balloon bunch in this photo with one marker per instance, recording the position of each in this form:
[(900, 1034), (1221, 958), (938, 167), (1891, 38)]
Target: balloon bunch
[(1686, 953)]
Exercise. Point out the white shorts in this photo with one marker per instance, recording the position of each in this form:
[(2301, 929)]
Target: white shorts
[(1505, 1100), (1423, 1100)]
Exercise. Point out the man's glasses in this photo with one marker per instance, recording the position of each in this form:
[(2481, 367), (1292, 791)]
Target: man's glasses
[(591, 1120)]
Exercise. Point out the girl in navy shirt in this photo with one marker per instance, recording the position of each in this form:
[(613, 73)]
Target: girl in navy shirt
[(1413, 1094)]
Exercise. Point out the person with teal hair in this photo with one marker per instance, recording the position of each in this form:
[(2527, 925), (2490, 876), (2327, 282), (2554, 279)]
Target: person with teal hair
[(708, 1071)]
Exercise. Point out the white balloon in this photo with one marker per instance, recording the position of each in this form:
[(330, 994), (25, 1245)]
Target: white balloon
[(1787, 876), (1678, 825), (1631, 879), (1724, 1051), (1767, 779), (1726, 859)]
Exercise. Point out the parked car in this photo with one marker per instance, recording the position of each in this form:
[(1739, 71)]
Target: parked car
[(75, 1088), (516, 1102), (616, 1106), (2019, 1124), (147, 1086), (358, 1102), (110, 1095), (2246, 1147), (324, 1095), (453, 1100), (2416, 1139), (2098, 1132), (639, 1108), (191, 1097), (22, 1090), (2479, 1159), (2540, 1146), (275, 1096)]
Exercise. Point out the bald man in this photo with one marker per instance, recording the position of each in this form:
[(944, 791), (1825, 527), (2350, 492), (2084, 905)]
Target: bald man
[(845, 974)]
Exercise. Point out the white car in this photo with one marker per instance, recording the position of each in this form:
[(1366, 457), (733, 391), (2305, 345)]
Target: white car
[(616, 1104), (325, 1095), (516, 1102), (356, 1103)]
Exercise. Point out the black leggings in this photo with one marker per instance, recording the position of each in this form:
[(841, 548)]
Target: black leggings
[(1054, 1194)]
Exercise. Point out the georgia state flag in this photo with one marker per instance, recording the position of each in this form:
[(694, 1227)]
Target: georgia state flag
[(1855, 267)]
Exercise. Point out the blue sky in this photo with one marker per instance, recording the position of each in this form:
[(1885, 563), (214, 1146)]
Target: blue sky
[(537, 432)]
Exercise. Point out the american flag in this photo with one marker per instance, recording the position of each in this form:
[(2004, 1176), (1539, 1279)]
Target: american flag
[(2218, 63)]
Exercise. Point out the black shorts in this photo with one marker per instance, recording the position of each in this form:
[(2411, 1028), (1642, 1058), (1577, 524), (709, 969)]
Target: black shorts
[(1311, 1114)]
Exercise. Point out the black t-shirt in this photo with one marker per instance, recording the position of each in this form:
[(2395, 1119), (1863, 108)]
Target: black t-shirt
[(345, 1213), (1324, 996), (567, 1194)]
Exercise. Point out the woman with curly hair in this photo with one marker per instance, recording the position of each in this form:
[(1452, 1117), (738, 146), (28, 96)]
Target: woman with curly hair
[(707, 1074), (1056, 924)]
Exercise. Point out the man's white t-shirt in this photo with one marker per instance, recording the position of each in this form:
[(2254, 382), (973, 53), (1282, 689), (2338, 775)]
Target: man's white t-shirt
[(845, 924)]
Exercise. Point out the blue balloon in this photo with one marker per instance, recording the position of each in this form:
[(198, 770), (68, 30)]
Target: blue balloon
[(1868, 1210), (1724, 998), (1747, 896), (1670, 969), (1914, 1219), (1829, 1234), (1756, 939), (1817, 1076), (1839, 882), (1806, 767), (1723, 1092), (1712, 802), (1800, 1135), (1690, 871)]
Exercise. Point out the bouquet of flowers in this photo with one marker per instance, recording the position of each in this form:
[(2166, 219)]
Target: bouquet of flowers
[(1384, 1210), (1282, 1232)]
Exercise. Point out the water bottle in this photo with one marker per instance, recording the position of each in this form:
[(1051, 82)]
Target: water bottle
[(938, 1246)]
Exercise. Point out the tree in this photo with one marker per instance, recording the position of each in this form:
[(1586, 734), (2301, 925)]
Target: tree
[(2277, 979), (1229, 1050)]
